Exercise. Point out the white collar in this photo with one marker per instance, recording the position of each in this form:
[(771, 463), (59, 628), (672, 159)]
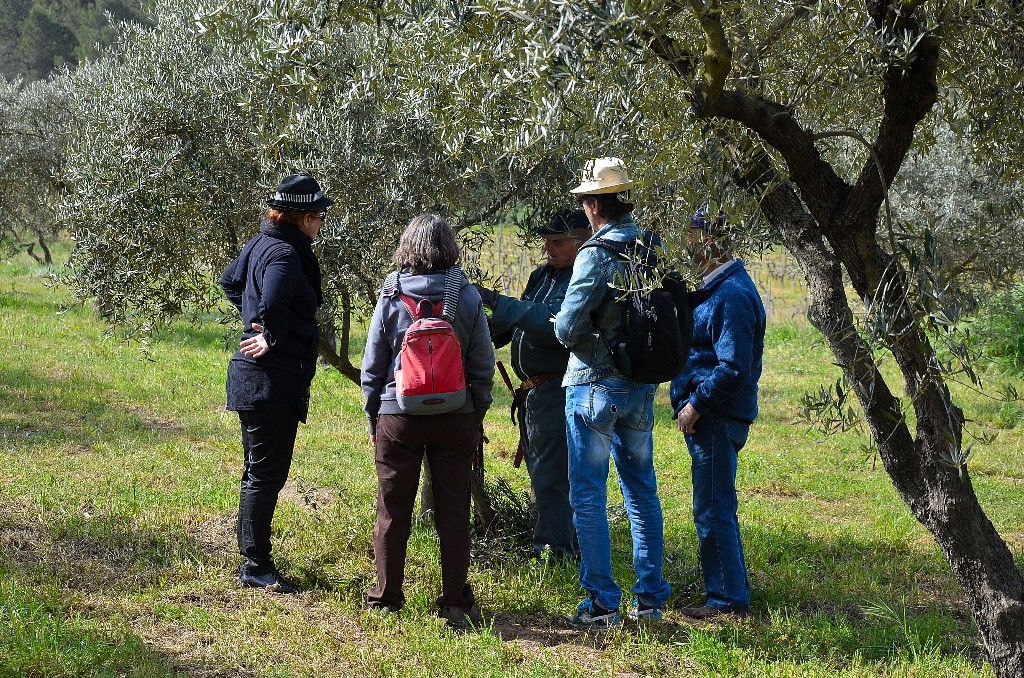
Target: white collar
[(718, 272)]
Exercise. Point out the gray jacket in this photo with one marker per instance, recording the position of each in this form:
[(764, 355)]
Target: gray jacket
[(391, 318)]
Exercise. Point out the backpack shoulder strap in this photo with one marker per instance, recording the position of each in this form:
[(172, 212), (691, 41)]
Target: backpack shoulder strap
[(452, 288), (392, 288), (389, 287), (416, 308), (614, 246)]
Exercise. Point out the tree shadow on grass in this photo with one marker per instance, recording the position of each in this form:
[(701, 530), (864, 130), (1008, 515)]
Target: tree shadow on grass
[(836, 599), (71, 579), (46, 409), (40, 639), (833, 602)]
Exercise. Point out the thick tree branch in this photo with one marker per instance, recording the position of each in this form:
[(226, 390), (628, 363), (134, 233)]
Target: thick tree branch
[(908, 95), (853, 134), (717, 53), (820, 186)]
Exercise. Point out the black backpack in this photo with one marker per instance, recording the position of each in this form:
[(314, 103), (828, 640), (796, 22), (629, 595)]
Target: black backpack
[(653, 342)]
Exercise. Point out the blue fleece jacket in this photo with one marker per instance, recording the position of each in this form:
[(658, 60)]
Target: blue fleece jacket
[(728, 345)]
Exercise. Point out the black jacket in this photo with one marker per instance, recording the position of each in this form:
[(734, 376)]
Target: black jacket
[(276, 282)]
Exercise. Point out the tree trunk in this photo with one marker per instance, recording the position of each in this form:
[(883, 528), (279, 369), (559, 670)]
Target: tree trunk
[(925, 470), (47, 257), (426, 492), (337, 354)]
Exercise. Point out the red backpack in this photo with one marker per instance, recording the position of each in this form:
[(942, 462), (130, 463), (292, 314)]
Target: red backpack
[(430, 377)]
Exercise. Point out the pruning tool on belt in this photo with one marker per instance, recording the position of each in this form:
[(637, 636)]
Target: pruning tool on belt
[(518, 395)]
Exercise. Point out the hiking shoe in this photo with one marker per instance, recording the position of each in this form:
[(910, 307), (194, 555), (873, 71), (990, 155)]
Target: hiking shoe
[(590, 615), (462, 618), (640, 612)]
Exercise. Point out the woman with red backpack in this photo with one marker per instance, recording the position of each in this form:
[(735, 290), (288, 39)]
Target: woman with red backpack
[(427, 375)]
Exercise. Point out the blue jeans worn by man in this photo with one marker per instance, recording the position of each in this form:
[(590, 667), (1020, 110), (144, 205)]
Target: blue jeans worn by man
[(715, 401), (608, 415), (613, 418)]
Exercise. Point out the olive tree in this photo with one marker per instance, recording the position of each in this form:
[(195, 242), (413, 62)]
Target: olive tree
[(812, 122), (32, 132), (803, 114), (812, 110)]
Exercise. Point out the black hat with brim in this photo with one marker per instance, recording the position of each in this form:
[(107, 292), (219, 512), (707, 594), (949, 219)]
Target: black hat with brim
[(564, 224), (299, 193)]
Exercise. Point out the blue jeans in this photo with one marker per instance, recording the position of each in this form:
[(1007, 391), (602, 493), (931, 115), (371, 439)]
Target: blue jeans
[(542, 425), (614, 418), (714, 452)]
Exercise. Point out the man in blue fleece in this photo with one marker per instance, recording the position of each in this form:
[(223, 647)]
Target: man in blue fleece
[(715, 401)]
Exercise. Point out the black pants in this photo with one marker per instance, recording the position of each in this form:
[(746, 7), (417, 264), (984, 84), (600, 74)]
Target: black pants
[(268, 440), (449, 441)]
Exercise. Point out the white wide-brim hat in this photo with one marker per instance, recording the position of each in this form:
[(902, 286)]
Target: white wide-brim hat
[(603, 175)]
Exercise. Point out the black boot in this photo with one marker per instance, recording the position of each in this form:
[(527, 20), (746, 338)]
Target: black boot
[(266, 577)]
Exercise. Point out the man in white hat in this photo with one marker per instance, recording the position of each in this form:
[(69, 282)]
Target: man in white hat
[(608, 414)]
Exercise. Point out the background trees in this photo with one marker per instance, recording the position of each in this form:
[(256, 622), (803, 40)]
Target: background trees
[(878, 142), (40, 35)]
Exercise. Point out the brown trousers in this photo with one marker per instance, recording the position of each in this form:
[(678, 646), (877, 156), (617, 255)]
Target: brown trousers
[(449, 441)]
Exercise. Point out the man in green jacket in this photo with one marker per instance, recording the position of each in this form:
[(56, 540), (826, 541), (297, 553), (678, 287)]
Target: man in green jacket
[(539, 362)]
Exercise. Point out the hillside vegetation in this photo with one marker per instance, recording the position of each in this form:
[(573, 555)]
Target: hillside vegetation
[(38, 35)]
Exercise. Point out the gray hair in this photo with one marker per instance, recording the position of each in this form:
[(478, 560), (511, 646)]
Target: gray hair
[(428, 244)]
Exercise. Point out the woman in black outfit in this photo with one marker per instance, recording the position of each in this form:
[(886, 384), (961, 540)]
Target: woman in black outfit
[(275, 285)]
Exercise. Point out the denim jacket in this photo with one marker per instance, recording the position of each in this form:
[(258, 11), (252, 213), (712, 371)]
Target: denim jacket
[(590, 299)]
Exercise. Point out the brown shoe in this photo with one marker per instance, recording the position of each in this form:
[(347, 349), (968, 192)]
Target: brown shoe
[(704, 612)]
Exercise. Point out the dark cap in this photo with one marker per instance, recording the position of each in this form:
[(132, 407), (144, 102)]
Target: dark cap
[(700, 220), (299, 193), (565, 224)]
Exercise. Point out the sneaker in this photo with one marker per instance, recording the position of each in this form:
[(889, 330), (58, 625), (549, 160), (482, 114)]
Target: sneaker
[(640, 612), (590, 615), (461, 618)]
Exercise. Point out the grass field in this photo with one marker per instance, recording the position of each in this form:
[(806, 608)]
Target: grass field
[(118, 495)]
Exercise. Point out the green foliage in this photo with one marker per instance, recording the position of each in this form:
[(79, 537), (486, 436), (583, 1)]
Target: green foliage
[(41, 35), (998, 327)]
